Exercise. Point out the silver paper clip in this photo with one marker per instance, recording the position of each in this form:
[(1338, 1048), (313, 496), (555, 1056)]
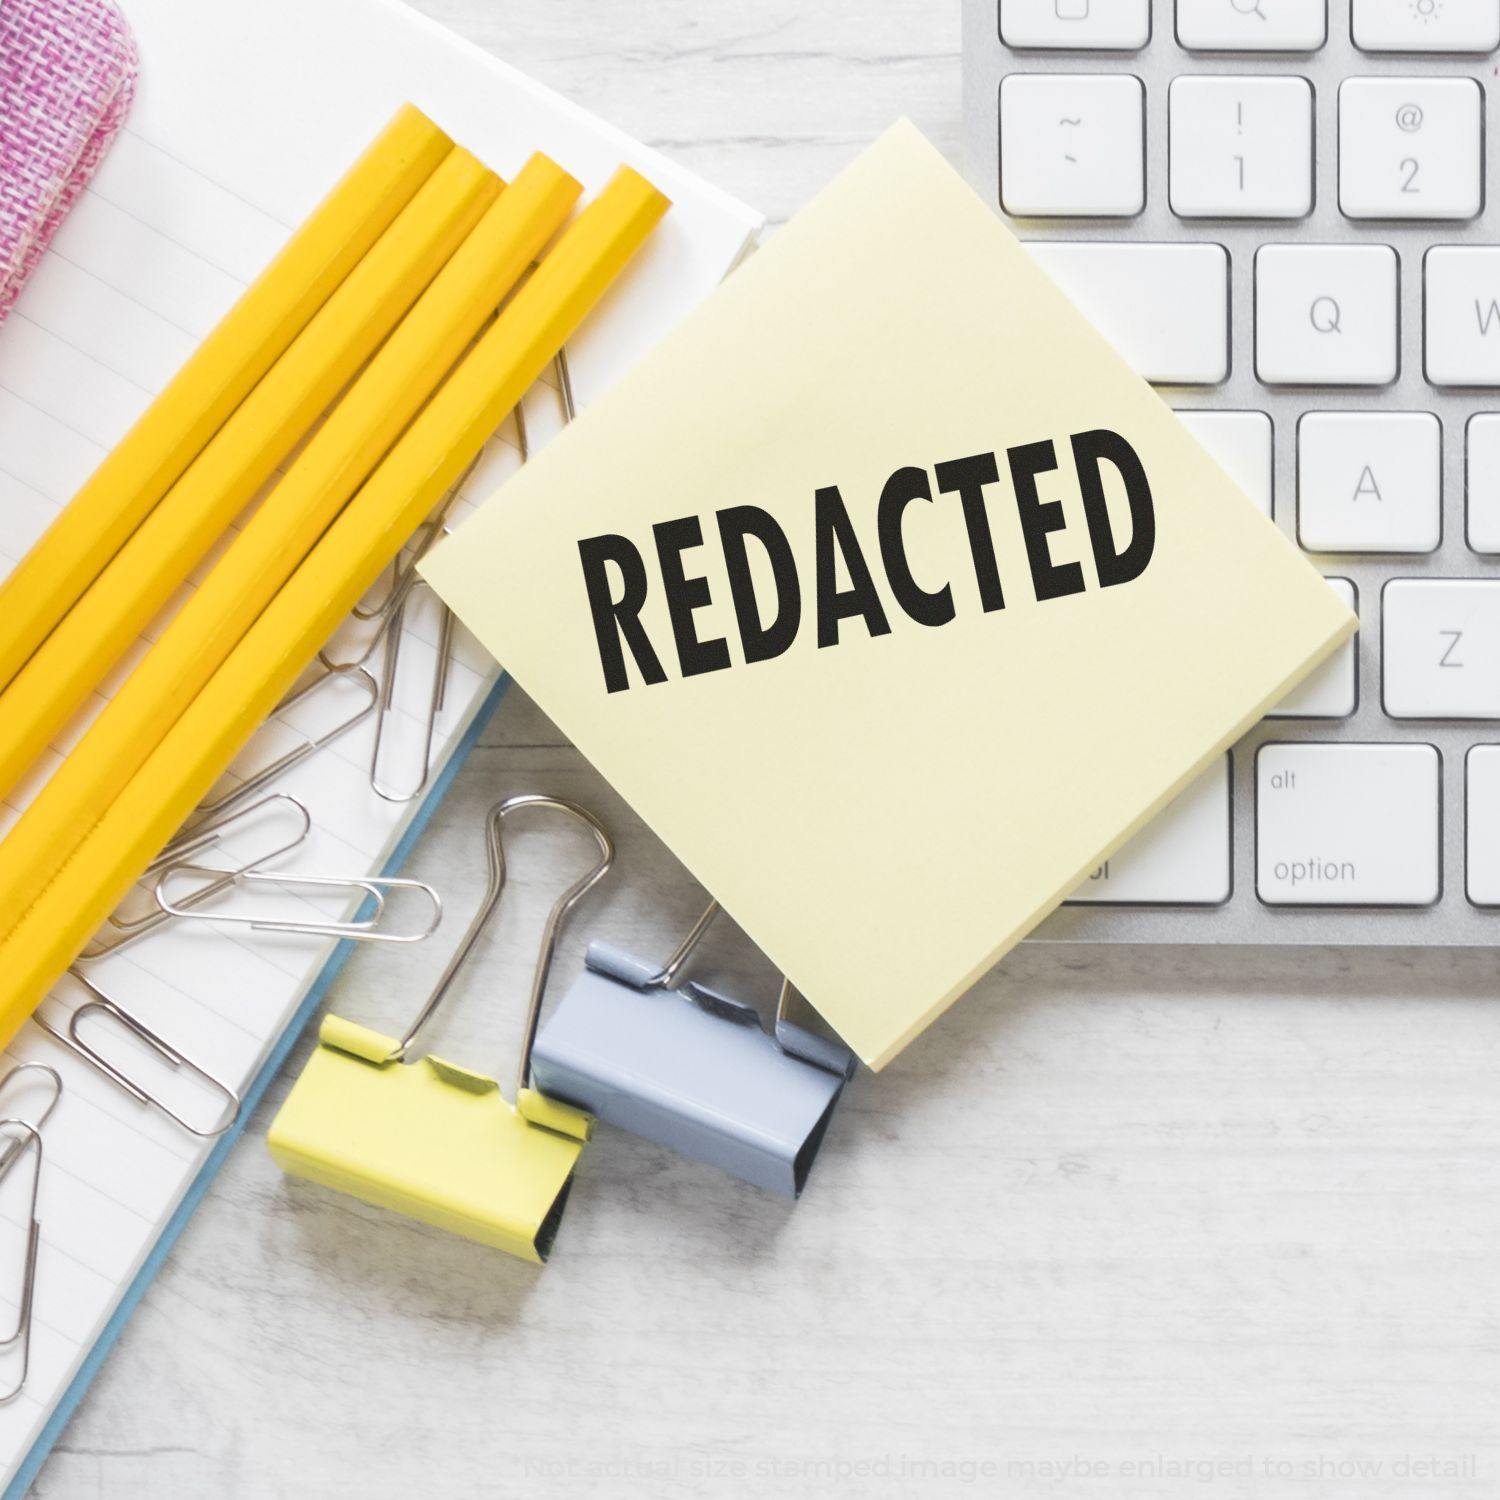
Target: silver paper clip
[(12, 1148), (436, 696), (178, 1061), (691, 1068), (390, 620), (403, 577), (391, 614), (125, 929), (311, 744), (565, 394), (26, 1137), (364, 927), (565, 385), (403, 585)]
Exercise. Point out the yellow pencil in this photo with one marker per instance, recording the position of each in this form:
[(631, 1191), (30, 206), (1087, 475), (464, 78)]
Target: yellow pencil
[(278, 305), (266, 426), (340, 456), (60, 917)]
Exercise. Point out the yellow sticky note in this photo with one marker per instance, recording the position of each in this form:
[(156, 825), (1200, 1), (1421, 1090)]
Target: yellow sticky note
[(889, 596)]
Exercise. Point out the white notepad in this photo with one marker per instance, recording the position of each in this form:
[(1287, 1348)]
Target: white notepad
[(245, 115)]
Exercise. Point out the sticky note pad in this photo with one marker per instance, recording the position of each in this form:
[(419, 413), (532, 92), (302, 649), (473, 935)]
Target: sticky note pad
[(888, 595)]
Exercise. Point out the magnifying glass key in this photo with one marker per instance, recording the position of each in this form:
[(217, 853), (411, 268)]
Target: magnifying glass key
[(1252, 25)]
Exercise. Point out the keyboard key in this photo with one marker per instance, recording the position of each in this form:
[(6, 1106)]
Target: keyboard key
[(1348, 825), (1427, 25), (1164, 307), (1482, 824), (1071, 144), (1101, 25), (1181, 858), (1463, 315), (1332, 692), (1411, 148), (1252, 25), (1240, 443), (1440, 643), (1326, 314), (1369, 481), (1483, 444), (1242, 148)]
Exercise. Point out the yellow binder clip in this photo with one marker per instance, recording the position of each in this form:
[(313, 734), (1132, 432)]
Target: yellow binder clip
[(433, 1140)]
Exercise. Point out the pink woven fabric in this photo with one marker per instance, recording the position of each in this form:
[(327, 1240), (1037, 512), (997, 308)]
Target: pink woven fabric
[(67, 75)]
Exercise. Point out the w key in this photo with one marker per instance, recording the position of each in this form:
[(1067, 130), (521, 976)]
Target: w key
[(1441, 648), (1463, 315)]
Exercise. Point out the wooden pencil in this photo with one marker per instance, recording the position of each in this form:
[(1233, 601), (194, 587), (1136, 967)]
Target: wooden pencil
[(120, 494), (59, 916), (358, 432), (238, 460)]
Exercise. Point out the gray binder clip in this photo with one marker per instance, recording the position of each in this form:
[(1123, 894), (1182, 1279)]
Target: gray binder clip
[(691, 1068)]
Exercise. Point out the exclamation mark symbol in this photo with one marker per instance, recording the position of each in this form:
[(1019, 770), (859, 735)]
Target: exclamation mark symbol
[(1239, 129)]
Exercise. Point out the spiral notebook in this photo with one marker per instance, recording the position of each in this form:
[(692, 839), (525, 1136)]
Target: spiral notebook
[(244, 115)]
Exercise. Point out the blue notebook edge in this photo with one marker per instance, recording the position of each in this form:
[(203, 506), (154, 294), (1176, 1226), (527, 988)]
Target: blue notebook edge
[(63, 1411)]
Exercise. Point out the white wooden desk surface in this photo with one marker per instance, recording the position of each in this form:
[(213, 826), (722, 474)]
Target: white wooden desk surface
[(1150, 1209)]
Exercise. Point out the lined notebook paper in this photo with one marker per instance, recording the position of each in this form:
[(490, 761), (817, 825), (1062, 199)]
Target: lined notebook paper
[(245, 115)]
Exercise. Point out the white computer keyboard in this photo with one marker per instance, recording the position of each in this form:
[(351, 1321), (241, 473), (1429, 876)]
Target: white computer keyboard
[(1280, 212)]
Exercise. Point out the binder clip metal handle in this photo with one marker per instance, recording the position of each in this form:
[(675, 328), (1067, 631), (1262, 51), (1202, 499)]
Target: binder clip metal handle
[(495, 888), (692, 1069), (665, 978), (792, 1035)]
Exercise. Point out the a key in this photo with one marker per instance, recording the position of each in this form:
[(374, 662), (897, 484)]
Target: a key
[(1347, 825), (1100, 25), (1331, 692), (1181, 857), (1440, 645), (1463, 315), (1241, 148), (1482, 824), (1072, 144), (1427, 25), (1240, 443), (1251, 25), (1411, 148), (1369, 481), (1326, 314), (1164, 307), (1483, 468)]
